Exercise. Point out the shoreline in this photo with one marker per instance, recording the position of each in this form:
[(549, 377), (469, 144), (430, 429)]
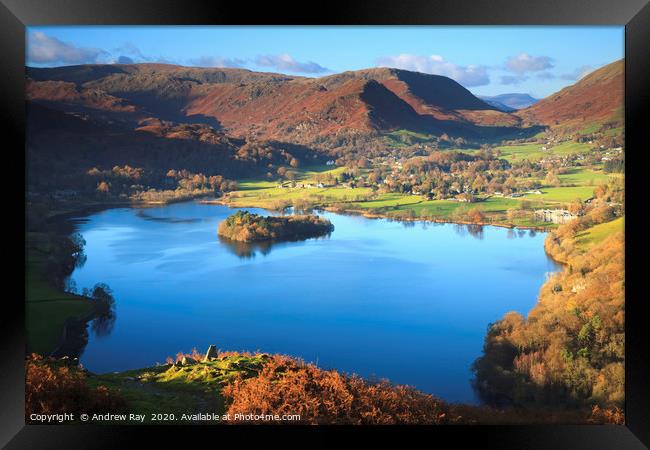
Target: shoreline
[(87, 209), (75, 332), (369, 215)]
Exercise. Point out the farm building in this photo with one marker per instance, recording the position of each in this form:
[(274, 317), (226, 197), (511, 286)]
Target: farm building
[(555, 215)]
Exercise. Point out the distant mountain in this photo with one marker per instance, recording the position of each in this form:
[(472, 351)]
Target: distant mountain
[(593, 103), (243, 103), (509, 102), (498, 105)]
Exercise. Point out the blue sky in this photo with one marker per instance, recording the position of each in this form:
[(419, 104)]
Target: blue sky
[(488, 60)]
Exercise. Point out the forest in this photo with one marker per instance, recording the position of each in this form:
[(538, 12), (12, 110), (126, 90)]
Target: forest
[(73, 158), (570, 348)]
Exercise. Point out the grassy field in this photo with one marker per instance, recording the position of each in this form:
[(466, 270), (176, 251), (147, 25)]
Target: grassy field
[(533, 152), (180, 389), (264, 194), (47, 309), (563, 194), (404, 138), (598, 233), (577, 183), (584, 177), (267, 194)]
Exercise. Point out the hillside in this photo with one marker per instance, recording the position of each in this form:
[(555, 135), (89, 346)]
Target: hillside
[(592, 104), (84, 121), (272, 106), (76, 151)]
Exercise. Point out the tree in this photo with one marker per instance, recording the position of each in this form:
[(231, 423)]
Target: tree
[(103, 187), (552, 179), (476, 215), (577, 207)]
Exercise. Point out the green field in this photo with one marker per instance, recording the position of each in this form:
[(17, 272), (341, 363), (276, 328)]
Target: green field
[(577, 183), (598, 233), (563, 194), (533, 152), (266, 194), (584, 177), (47, 309), (180, 389), (404, 138)]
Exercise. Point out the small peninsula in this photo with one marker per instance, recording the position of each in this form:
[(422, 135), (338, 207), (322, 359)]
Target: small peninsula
[(244, 226)]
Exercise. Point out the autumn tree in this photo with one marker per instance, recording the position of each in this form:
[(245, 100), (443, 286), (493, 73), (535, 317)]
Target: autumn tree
[(103, 188), (476, 215)]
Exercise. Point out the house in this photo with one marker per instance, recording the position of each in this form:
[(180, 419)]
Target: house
[(558, 216)]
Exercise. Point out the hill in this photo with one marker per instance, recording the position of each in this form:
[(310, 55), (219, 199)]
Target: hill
[(595, 103), (272, 106)]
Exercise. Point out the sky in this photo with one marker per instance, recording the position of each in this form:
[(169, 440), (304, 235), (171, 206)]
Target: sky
[(487, 60)]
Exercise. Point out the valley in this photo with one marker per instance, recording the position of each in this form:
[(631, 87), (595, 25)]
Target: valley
[(132, 169)]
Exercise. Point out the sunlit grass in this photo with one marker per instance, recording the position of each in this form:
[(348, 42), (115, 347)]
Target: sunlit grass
[(47, 309), (598, 233)]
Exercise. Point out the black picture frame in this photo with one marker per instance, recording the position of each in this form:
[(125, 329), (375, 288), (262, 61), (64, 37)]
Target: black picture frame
[(634, 14)]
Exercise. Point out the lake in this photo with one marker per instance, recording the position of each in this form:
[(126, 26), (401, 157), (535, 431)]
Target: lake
[(410, 302)]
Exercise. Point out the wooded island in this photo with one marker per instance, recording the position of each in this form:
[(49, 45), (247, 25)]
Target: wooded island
[(244, 226)]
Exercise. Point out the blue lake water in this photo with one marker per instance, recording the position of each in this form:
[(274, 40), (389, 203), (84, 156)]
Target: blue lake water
[(382, 299)]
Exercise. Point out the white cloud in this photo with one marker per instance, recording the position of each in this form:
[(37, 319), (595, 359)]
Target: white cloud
[(524, 62), (466, 75), (287, 63), (579, 73), (217, 61), (43, 49)]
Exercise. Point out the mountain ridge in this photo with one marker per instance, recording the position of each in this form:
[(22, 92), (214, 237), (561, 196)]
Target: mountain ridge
[(272, 106)]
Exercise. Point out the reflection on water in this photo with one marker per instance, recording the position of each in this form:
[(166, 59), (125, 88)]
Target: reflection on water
[(101, 318), (145, 216), (476, 231), (103, 324), (409, 302), (246, 249)]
